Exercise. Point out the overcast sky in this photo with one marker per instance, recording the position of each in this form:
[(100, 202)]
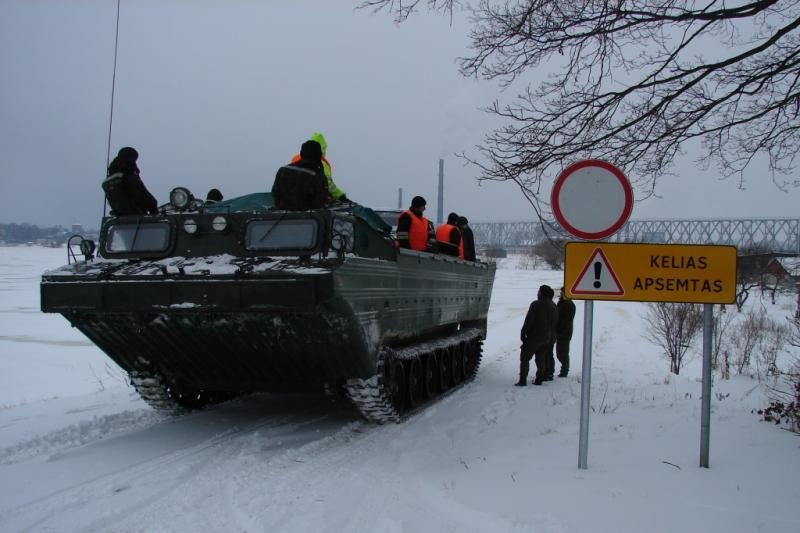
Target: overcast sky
[(220, 93)]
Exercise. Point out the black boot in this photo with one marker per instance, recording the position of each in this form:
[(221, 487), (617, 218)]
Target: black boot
[(537, 381), (563, 373), (520, 383)]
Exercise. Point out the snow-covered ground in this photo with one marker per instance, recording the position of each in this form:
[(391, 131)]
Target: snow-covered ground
[(80, 452)]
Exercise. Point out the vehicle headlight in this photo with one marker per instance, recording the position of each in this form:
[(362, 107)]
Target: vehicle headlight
[(219, 223), (190, 226), (180, 197)]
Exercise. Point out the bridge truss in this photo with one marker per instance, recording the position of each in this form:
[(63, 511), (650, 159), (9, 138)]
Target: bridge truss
[(765, 234)]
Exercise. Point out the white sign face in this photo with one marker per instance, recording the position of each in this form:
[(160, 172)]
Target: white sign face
[(592, 199)]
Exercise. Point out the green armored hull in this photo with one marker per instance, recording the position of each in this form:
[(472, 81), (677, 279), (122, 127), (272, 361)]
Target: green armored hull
[(203, 304)]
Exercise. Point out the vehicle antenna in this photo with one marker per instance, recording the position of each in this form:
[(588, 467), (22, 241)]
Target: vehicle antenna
[(111, 112)]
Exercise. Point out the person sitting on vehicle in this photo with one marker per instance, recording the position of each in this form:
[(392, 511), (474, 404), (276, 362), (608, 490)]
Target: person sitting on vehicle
[(301, 185), (336, 193), (467, 240), (448, 236), (124, 189), (214, 196), (413, 229)]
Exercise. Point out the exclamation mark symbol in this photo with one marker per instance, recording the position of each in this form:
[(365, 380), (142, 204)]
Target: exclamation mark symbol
[(598, 267)]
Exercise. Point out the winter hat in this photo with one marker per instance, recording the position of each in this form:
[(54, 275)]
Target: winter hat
[(214, 195), (418, 201), (311, 150), (462, 221), (128, 154)]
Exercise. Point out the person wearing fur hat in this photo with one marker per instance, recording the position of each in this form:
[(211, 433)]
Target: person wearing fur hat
[(124, 189)]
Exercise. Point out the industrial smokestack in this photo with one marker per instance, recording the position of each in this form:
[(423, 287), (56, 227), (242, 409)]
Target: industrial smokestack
[(440, 209), (400, 198)]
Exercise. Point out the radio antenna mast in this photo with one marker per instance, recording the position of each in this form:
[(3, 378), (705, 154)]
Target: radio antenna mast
[(111, 111)]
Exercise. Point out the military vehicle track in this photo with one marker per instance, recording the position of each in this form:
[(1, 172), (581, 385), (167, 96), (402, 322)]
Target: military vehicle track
[(154, 390), (411, 376)]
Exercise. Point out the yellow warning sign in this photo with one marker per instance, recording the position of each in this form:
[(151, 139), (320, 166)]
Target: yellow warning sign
[(650, 272)]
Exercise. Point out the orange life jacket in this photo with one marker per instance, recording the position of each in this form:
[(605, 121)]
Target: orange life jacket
[(418, 232), (443, 235)]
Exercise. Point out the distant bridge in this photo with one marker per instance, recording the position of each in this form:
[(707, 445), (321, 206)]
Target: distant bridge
[(773, 234)]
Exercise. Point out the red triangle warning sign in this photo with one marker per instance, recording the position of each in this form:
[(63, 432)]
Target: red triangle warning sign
[(597, 277)]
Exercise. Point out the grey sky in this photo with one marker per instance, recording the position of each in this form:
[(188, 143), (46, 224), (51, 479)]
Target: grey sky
[(221, 93)]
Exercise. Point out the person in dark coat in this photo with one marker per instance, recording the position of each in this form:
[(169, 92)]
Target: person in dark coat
[(566, 315), (537, 335), (125, 191), (301, 185), (467, 239)]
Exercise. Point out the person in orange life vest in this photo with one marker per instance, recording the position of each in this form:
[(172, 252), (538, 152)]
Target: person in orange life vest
[(413, 229), (336, 193), (448, 236)]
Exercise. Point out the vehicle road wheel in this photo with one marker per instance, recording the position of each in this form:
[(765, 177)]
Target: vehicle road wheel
[(456, 364), (416, 383), (431, 376), (470, 360), (443, 358), (397, 385)]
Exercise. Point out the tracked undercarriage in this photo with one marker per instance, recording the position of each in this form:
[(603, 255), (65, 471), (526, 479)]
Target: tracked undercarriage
[(414, 375)]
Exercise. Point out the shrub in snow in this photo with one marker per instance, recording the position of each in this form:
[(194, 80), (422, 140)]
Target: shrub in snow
[(784, 406), (673, 326), (551, 251), (757, 335)]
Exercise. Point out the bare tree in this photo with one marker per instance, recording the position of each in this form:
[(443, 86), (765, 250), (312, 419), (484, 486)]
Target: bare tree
[(635, 82), (673, 326)]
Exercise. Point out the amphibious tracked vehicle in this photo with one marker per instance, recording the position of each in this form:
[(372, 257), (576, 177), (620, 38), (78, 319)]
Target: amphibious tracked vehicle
[(201, 303)]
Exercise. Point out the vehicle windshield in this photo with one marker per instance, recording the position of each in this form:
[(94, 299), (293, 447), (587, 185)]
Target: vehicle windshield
[(148, 237), (273, 235), (389, 215)]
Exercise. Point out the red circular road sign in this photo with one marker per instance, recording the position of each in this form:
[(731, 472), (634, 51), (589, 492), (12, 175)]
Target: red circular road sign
[(592, 199)]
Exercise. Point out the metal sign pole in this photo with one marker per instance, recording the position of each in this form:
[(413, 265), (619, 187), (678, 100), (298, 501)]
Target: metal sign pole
[(586, 383), (705, 417)]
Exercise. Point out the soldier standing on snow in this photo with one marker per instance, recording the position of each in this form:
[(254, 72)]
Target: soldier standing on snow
[(566, 314), (537, 335)]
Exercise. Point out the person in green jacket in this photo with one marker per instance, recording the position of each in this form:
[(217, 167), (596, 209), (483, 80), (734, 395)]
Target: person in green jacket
[(336, 193)]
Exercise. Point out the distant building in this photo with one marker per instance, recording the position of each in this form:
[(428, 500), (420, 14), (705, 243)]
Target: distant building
[(783, 271)]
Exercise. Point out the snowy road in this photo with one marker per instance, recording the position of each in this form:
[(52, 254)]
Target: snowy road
[(170, 455)]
